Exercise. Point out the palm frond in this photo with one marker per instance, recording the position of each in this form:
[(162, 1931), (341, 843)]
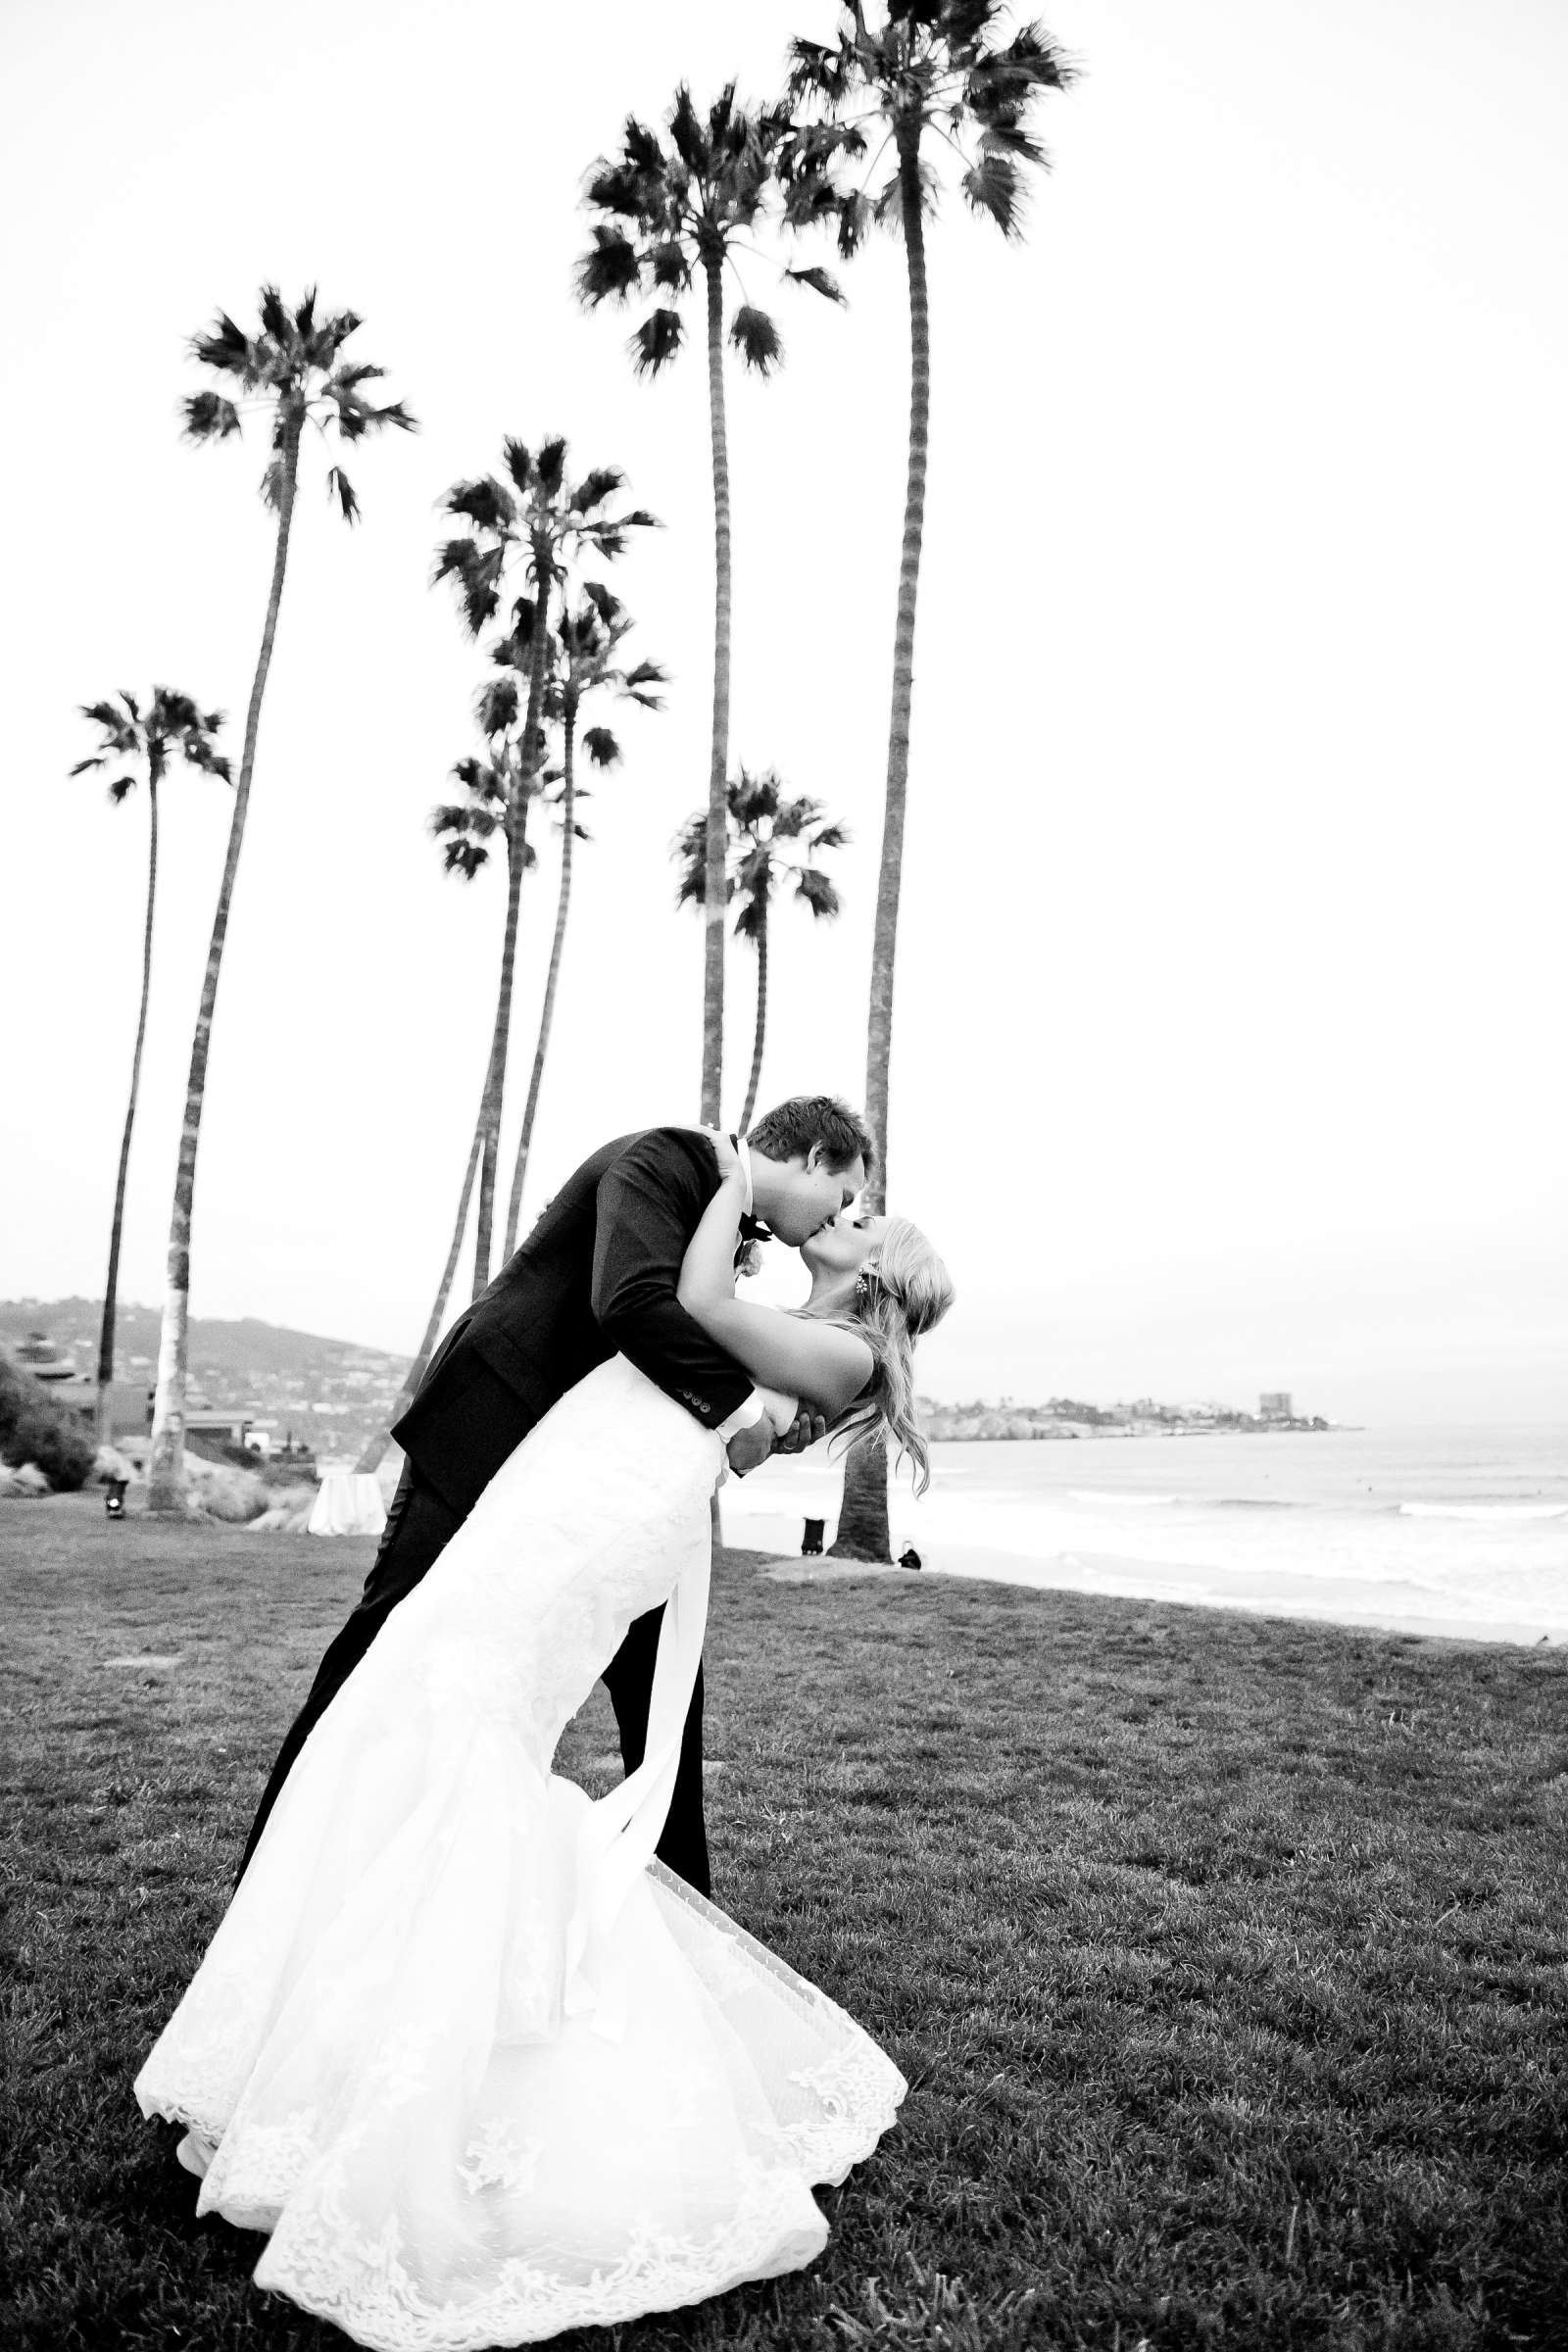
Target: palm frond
[(856, 215), (993, 187), (757, 339), (644, 153), (620, 189), (120, 787), (518, 462), (595, 488), (339, 484), (657, 341), (686, 134), (817, 892), (275, 315), (485, 502), (601, 746), (228, 349), (476, 571), (495, 705), (670, 266), (610, 270), (208, 417), (550, 466), (821, 280), (464, 858)]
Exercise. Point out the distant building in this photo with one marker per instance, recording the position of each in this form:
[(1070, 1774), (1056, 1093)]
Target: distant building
[(1274, 1404), (38, 1354)]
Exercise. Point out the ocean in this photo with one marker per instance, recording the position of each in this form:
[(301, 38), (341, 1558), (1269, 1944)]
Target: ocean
[(1460, 1531)]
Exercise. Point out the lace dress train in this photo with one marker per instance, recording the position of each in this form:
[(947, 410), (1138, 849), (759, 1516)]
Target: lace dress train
[(477, 2063)]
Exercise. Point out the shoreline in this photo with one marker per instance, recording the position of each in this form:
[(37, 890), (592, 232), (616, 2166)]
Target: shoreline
[(1314, 1601)]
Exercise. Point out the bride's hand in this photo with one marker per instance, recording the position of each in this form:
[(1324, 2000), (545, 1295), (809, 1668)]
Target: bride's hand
[(725, 1151)]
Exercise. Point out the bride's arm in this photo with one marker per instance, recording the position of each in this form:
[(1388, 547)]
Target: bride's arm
[(819, 1362)]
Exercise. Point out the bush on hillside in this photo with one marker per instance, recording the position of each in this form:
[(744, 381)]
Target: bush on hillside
[(34, 1428)]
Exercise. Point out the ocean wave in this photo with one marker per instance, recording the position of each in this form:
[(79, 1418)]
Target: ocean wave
[(1483, 1511), (1128, 1502)]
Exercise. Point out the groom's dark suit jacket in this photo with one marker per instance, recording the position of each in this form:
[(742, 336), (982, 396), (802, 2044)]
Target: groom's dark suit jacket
[(596, 1278)]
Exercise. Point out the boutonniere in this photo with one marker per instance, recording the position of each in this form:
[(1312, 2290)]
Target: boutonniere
[(750, 1260)]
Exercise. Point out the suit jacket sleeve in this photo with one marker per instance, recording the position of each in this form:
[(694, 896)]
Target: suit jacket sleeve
[(649, 1204)]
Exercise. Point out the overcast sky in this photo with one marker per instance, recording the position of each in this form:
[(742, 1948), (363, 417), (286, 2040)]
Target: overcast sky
[(1231, 979)]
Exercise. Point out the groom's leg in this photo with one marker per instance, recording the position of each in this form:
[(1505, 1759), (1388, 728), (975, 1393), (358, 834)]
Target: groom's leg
[(629, 1679), (419, 1526)]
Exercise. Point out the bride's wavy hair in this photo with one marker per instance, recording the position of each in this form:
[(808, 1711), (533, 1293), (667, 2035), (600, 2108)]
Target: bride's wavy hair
[(902, 1291)]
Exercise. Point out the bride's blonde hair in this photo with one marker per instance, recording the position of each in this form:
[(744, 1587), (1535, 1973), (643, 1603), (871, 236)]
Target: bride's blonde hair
[(902, 1290)]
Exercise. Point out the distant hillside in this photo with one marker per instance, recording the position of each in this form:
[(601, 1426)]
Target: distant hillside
[(330, 1392)]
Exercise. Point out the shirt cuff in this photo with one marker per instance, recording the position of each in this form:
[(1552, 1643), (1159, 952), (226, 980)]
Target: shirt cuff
[(749, 1410)]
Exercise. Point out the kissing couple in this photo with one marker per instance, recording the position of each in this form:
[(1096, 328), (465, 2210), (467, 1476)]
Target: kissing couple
[(477, 2053)]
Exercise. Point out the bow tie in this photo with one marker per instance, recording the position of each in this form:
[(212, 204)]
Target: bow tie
[(753, 1228)]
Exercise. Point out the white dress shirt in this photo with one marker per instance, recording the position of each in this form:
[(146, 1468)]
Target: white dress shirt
[(750, 1408)]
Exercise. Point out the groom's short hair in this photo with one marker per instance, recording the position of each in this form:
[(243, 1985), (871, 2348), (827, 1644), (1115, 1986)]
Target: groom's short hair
[(789, 1131)]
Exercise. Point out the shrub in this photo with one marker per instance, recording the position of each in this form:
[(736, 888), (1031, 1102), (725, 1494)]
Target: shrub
[(34, 1428)]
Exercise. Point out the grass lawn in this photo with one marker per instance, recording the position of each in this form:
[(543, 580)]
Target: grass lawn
[(1226, 1956)]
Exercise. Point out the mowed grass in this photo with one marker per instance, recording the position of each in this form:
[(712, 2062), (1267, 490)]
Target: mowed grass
[(1226, 1956)]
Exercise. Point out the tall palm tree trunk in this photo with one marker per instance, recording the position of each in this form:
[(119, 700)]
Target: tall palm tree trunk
[(167, 1466), (496, 1075), (547, 1010), (863, 1530), (370, 1460), (754, 1080), (106, 1335), (516, 842), (718, 752)]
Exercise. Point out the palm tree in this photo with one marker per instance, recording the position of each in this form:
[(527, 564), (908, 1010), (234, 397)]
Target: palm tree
[(664, 214), (173, 724), (291, 370), (770, 836), (587, 644), (548, 525), (497, 789), (937, 68)]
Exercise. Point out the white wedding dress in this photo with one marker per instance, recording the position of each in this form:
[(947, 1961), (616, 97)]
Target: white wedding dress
[(481, 2067)]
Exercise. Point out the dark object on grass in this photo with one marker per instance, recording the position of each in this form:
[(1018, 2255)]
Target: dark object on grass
[(114, 1499), (909, 1557), (812, 1546)]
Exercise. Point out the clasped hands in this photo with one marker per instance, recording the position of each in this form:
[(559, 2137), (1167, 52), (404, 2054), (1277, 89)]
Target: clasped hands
[(774, 1432)]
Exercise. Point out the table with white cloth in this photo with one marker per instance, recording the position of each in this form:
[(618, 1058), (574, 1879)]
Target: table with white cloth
[(349, 1504)]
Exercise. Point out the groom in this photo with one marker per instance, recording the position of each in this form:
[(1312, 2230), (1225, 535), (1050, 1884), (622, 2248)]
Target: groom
[(597, 1278)]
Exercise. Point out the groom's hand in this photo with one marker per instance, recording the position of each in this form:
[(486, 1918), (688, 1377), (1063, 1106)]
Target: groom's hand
[(748, 1447), (804, 1430)]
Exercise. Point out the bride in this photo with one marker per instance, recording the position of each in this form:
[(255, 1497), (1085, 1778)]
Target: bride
[(475, 2061)]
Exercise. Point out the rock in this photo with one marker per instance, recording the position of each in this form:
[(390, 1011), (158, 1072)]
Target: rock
[(25, 1483)]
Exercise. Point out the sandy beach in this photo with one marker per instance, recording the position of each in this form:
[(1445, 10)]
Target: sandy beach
[(1458, 1539)]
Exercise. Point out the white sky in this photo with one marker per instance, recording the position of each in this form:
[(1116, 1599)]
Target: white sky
[(1231, 982)]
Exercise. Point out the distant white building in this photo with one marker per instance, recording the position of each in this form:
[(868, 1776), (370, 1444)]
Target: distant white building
[(1274, 1404)]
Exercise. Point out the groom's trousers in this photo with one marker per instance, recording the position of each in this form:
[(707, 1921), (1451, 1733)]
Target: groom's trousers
[(419, 1526)]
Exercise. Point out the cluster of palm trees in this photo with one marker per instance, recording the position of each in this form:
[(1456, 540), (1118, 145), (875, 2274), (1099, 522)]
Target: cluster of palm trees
[(866, 132)]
